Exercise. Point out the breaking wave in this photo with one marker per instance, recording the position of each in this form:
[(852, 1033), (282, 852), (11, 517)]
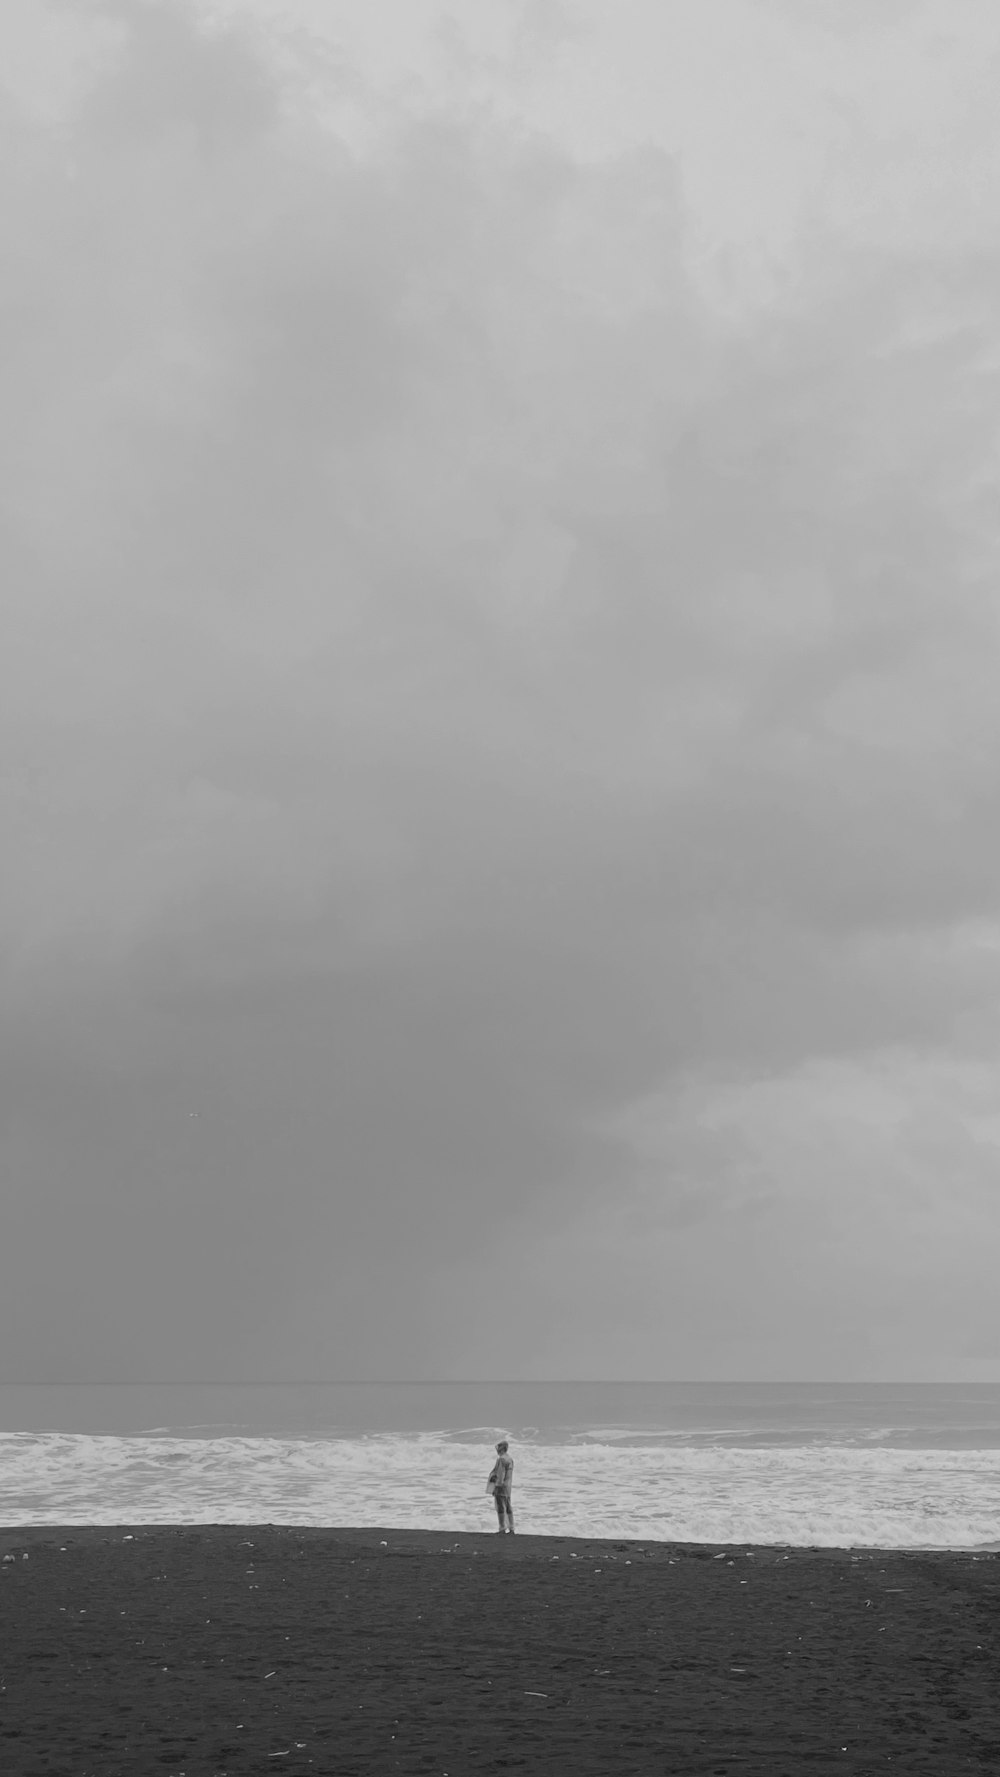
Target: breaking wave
[(829, 1495)]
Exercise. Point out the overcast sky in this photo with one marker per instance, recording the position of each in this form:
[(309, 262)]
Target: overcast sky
[(500, 689)]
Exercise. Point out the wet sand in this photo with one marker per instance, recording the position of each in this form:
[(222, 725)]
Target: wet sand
[(229, 1650)]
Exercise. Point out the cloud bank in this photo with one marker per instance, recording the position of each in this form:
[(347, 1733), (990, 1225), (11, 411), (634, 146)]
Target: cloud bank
[(498, 710)]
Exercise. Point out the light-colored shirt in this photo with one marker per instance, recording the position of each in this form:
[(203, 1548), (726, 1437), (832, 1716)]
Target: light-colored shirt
[(503, 1473)]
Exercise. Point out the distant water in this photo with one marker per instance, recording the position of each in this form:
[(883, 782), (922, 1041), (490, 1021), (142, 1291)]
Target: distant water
[(862, 1465)]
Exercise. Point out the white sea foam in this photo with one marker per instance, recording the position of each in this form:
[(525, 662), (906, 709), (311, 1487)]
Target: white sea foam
[(807, 1495)]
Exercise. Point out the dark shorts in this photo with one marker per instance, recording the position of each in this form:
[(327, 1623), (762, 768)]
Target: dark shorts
[(501, 1500)]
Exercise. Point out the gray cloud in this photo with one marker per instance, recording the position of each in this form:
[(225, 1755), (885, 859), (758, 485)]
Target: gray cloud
[(468, 703)]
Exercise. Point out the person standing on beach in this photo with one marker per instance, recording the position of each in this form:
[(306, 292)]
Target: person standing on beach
[(502, 1479)]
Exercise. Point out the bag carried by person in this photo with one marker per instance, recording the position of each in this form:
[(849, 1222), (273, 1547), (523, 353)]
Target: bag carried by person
[(491, 1485)]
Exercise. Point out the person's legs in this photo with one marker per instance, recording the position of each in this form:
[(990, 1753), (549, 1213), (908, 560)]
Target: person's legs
[(498, 1501), (510, 1515)]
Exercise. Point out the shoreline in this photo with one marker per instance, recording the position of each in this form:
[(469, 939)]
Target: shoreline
[(23, 1535), (217, 1648)]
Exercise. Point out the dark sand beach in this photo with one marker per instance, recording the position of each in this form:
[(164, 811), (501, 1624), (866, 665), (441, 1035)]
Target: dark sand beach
[(242, 1650)]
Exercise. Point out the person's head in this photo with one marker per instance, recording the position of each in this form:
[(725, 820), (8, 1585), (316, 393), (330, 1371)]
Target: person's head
[(502, 1447)]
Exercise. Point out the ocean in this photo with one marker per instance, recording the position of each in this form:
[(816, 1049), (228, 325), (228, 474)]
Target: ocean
[(847, 1465)]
